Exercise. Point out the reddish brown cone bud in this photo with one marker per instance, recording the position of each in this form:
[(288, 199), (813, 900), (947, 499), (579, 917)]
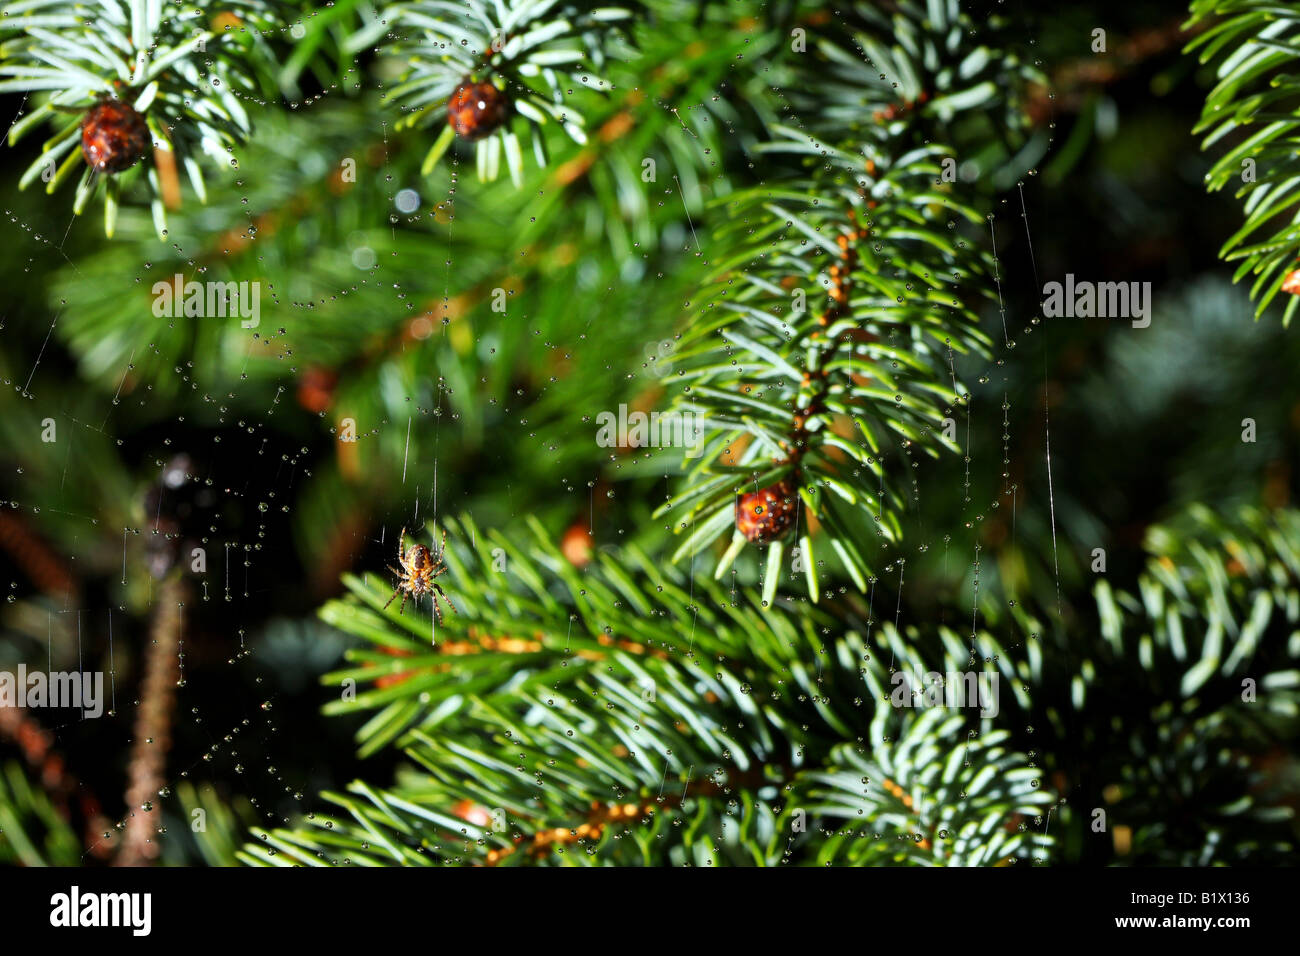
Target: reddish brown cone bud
[(765, 515), (477, 110), (113, 136)]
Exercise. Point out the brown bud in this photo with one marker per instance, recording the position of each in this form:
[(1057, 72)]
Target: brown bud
[(477, 110), (765, 515), (113, 136)]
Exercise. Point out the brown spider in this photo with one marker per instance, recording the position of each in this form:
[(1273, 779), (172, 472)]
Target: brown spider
[(419, 566)]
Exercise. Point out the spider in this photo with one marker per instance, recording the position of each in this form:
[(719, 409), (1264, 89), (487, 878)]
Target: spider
[(418, 567)]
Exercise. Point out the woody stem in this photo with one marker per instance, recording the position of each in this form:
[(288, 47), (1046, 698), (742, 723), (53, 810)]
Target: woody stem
[(153, 726), (815, 378)]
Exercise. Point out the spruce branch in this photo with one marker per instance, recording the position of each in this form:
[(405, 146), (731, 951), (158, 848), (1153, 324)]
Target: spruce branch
[(475, 66), (826, 395), (1253, 114), (522, 742), (1204, 647), (824, 404), (126, 79), (974, 804)]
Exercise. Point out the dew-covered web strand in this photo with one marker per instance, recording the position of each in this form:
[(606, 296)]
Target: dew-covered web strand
[(1006, 407), (1025, 18), (1047, 402), (997, 280)]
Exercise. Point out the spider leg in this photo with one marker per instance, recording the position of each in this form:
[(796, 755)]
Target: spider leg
[(402, 606), (401, 544), (437, 589), (396, 591)]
